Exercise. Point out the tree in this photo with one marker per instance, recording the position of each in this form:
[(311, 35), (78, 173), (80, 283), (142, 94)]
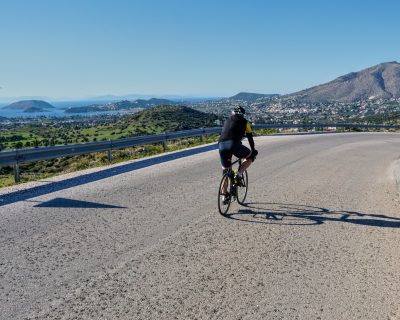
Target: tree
[(19, 145)]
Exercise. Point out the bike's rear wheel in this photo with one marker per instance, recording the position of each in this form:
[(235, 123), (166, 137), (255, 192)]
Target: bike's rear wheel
[(223, 203), (242, 190)]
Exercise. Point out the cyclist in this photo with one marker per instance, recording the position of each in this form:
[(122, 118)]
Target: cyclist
[(230, 143)]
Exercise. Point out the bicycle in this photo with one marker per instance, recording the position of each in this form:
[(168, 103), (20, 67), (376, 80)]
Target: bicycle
[(236, 189)]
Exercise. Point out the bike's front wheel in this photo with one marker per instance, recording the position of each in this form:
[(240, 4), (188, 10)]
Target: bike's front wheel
[(225, 194), (242, 187)]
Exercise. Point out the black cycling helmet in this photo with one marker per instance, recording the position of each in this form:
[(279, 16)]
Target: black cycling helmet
[(239, 110)]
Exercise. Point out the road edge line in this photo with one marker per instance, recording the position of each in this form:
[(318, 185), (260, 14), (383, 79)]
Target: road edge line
[(396, 174)]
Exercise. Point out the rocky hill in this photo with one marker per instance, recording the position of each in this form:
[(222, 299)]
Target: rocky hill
[(380, 81), (29, 105)]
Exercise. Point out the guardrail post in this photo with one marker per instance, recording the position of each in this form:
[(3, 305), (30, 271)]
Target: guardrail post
[(109, 152), (164, 143), (202, 137), (16, 173)]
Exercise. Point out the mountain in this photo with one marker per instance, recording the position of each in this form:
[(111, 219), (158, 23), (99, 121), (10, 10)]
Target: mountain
[(8, 100), (37, 105), (120, 105), (250, 97), (380, 81)]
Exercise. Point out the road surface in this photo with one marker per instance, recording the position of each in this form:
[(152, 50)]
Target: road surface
[(319, 238)]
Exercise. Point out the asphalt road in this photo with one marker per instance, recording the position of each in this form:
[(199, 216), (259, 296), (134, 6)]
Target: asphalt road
[(319, 238)]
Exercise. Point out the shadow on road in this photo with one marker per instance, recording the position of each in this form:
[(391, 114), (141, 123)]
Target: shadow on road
[(71, 203), (29, 193), (293, 214)]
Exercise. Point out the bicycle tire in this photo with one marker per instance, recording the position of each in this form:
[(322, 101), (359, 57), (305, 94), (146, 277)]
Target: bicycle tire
[(241, 191), (223, 208)]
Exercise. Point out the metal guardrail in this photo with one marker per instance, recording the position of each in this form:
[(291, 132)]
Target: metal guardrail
[(325, 125), (16, 157)]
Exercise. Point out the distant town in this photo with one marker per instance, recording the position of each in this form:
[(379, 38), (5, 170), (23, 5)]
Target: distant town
[(290, 110)]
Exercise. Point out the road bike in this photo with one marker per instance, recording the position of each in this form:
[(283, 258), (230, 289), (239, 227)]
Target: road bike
[(236, 189)]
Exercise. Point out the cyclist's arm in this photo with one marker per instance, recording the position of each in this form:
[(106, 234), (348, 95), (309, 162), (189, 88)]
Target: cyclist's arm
[(249, 135)]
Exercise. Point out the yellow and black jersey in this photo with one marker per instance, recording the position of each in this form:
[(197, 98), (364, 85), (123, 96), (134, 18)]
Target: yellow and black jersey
[(248, 128), (235, 128)]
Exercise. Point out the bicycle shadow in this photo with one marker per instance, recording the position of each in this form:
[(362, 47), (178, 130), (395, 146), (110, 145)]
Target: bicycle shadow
[(303, 215)]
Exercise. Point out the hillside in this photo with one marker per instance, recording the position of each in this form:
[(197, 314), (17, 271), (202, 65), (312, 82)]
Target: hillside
[(153, 102), (57, 131), (380, 81), (249, 97), (38, 105), (120, 105), (35, 109), (171, 118)]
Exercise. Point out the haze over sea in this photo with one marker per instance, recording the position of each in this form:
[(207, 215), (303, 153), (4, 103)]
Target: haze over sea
[(57, 111)]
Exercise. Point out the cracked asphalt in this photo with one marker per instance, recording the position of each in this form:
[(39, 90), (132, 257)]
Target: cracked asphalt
[(318, 239)]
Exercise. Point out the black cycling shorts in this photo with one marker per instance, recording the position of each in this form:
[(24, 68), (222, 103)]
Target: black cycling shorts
[(229, 148)]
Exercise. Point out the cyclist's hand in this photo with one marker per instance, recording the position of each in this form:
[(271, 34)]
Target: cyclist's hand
[(254, 154)]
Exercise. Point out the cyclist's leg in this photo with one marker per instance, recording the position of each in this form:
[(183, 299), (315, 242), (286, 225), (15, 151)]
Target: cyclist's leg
[(226, 161), (245, 153), (245, 165)]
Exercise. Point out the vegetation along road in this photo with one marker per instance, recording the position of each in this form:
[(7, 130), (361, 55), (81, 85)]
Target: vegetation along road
[(318, 238)]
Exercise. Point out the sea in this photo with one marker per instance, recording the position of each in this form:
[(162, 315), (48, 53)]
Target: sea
[(58, 110)]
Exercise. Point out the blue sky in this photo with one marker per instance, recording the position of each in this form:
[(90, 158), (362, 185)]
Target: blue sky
[(74, 49)]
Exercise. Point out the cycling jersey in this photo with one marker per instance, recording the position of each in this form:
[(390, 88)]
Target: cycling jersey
[(230, 141), (235, 129)]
